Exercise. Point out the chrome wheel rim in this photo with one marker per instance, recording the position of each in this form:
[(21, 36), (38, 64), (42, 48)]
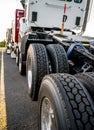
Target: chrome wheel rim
[(48, 121), (29, 79), (20, 67), (20, 64)]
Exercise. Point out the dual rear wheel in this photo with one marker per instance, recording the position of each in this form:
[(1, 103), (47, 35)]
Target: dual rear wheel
[(64, 102), (38, 58)]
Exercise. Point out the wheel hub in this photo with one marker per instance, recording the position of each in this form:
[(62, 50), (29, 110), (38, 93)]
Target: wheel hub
[(48, 121), (29, 79), (20, 67)]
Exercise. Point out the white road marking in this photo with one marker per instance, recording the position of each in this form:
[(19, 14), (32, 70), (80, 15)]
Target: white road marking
[(3, 116)]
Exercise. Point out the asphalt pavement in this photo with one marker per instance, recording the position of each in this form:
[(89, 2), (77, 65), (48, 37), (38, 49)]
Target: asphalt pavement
[(21, 112)]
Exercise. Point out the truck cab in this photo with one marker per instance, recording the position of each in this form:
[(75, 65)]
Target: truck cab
[(51, 13)]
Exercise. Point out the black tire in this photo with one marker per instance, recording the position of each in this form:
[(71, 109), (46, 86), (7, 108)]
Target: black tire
[(37, 68), (22, 64), (87, 79), (17, 56), (58, 58), (68, 103)]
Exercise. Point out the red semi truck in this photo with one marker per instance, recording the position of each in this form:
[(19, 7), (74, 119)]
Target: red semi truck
[(19, 13)]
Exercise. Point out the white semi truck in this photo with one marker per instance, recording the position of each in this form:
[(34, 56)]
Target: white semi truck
[(58, 62)]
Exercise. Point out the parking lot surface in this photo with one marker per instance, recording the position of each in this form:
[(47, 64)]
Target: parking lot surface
[(20, 113)]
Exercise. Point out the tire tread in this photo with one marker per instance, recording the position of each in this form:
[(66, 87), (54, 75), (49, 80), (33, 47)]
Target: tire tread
[(79, 101)]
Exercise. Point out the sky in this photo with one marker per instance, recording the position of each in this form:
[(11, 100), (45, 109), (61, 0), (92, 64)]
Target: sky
[(7, 11)]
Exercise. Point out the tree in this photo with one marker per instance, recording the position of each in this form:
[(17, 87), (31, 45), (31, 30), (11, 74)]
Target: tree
[(3, 43)]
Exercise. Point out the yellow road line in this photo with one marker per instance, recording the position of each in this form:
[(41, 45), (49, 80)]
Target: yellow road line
[(3, 117)]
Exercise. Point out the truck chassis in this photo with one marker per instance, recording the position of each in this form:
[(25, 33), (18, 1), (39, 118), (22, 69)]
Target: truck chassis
[(60, 76)]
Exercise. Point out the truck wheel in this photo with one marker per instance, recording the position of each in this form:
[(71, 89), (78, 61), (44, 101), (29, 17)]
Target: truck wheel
[(22, 66), (58, 58), (37, 68), (64, 103), (87, 79), (8, 51), (17, 57)]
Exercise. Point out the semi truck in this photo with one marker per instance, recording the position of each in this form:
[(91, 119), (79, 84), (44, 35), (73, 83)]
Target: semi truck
[(8, 39), (58, 62), (19, 13)]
